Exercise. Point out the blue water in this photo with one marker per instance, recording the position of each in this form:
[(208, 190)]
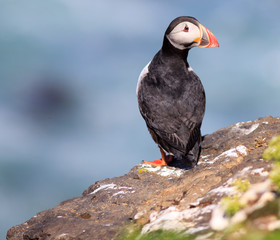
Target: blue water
[(68, 73)]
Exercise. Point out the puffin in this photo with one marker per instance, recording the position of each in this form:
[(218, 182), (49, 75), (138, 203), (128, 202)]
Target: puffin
[(170, 95)]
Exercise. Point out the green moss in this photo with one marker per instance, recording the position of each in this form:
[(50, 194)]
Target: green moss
[(135, 234), (241, 185), (275, 174), (273, 153), (142, 170), (273, 150), (262, 235), (131, 232), (231, 205), (164, 235), (271, 236)]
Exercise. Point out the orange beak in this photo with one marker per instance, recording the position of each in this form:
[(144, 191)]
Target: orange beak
[(207, 38)]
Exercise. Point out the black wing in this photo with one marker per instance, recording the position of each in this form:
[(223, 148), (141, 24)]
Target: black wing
[(173, 113)]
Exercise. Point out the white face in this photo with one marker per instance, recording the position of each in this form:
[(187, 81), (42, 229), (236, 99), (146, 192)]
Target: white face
[(184, 34)]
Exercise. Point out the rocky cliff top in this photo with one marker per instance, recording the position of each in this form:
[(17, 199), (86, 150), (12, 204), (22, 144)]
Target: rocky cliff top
[(164, 197)]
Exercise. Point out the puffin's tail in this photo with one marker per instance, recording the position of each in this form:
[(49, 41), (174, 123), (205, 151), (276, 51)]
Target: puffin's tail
[(190, 159)]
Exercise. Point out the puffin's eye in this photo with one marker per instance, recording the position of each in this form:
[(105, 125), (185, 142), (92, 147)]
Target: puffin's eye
[(186, 29)]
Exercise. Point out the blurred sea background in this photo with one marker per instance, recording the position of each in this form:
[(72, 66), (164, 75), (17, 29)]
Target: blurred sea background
[(68, 74)]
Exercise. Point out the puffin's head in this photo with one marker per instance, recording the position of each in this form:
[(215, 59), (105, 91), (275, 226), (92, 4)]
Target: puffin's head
[(186, 32)]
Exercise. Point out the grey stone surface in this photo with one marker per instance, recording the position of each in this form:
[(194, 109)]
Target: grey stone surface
[(160, 197)]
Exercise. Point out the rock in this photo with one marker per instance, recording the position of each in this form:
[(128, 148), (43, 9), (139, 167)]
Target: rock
[(254, 200), (161, 197), (218, 221)]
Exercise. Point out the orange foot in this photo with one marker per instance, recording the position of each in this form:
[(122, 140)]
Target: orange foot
[(161, 162)]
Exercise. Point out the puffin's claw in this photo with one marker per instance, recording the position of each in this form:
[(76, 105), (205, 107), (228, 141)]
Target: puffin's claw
[(160, 162), (156, 163)]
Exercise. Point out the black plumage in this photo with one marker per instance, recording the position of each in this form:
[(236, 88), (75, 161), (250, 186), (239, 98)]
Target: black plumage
[(172, 100)]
